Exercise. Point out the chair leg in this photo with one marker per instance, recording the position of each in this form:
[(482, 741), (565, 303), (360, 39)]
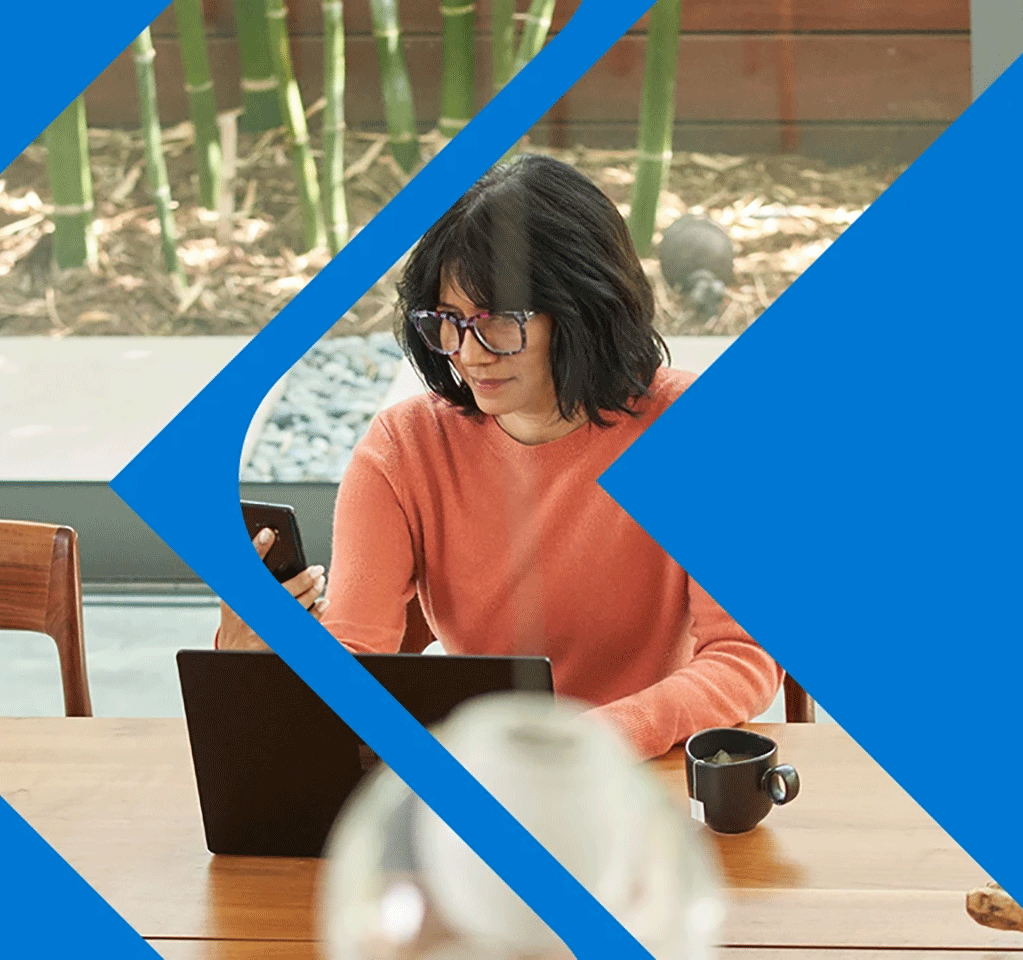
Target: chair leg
[(64, 622), (799, 707)]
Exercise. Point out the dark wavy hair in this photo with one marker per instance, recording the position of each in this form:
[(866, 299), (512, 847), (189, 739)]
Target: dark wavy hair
[(535, 234)]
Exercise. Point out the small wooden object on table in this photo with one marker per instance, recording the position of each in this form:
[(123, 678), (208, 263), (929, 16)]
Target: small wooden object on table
[(991, 906)]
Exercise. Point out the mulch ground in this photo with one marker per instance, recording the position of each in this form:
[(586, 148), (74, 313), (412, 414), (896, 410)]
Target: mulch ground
[(781, 213)]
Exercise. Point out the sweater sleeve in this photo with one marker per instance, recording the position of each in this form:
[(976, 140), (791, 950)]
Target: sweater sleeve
[(729, 680), (372, 567)]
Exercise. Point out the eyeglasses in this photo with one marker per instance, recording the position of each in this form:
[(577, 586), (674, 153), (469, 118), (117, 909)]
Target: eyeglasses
[(501, 333)]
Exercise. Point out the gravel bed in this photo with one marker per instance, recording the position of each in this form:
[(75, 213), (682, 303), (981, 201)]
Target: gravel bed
[(329, 399)]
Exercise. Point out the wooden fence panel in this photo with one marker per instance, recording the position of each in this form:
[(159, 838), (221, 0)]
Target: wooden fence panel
[(792, 73), (721, 78), (698, 16)]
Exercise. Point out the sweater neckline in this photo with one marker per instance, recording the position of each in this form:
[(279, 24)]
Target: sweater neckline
[(568, 445), (508, 446)]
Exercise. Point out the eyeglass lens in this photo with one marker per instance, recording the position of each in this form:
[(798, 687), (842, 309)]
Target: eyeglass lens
[(499, 333)]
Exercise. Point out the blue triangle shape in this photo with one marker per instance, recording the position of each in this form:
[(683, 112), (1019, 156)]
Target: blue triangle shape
[(38, 885), (60, 48), (846, 480)]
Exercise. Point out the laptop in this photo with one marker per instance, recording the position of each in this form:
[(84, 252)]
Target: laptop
[(274, 764)]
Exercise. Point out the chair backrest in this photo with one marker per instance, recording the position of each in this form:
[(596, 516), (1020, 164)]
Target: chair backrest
[(41, 590), (417, 632), (799, 707)]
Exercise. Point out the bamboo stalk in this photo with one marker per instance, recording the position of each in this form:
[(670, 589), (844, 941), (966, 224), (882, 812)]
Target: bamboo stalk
[(202, 106), (334, 201), (67, 160), (535, 27), (294, 120), (399, 107), (502, 32), (260, 101), (156, 166), (458, 58), (227, 125), (656, 122)]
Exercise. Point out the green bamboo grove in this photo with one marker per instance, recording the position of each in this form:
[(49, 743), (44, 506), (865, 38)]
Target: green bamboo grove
[(268, 72)]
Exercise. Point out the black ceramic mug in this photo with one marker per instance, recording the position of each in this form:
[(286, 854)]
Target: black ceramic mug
[(734, 797)]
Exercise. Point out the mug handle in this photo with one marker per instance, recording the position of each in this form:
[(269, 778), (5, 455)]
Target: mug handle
[(696, 778), (781, 783)]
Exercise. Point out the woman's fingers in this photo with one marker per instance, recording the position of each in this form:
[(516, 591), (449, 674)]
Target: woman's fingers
[(308, 597), (306, 587), (263, 541), (234, 634), (320, 607), (302, 583)]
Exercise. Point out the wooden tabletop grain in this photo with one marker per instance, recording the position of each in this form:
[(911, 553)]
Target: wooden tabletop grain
[(297, 950), (852, 862)]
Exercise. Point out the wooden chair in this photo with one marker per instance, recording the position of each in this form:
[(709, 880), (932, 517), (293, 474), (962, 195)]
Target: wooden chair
[(417, 632), (799, 707), (41, 590)]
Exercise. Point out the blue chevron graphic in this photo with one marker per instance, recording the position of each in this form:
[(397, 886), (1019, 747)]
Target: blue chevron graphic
[(191, 468), (860, 444)]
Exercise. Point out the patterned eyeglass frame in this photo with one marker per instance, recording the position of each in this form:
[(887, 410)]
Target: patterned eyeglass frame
[(469, 323)]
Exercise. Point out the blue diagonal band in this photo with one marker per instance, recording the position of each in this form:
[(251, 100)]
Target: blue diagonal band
[(191, 471)]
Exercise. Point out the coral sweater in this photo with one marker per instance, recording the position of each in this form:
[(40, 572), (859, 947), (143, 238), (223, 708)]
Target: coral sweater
[(516, 549)]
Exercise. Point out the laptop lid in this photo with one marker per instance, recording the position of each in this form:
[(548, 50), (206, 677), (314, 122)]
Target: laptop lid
[(274, 764)]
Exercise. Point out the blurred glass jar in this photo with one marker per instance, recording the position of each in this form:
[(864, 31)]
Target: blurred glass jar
[(399, 884)]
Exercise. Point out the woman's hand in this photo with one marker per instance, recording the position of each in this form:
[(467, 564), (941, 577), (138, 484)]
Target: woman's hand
[(306, 587)]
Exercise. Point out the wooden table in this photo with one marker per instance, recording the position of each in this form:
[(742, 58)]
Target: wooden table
[(853, 862)]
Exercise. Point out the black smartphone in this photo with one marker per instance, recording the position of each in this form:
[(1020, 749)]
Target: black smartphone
[(286, 558)]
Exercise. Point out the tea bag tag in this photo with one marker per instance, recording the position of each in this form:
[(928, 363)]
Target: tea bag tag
[(696, 809)]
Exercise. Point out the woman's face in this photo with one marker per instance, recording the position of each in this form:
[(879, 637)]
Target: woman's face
[(519, 387)]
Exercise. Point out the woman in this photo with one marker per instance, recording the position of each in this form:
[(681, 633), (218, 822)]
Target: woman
[(526, 311)]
